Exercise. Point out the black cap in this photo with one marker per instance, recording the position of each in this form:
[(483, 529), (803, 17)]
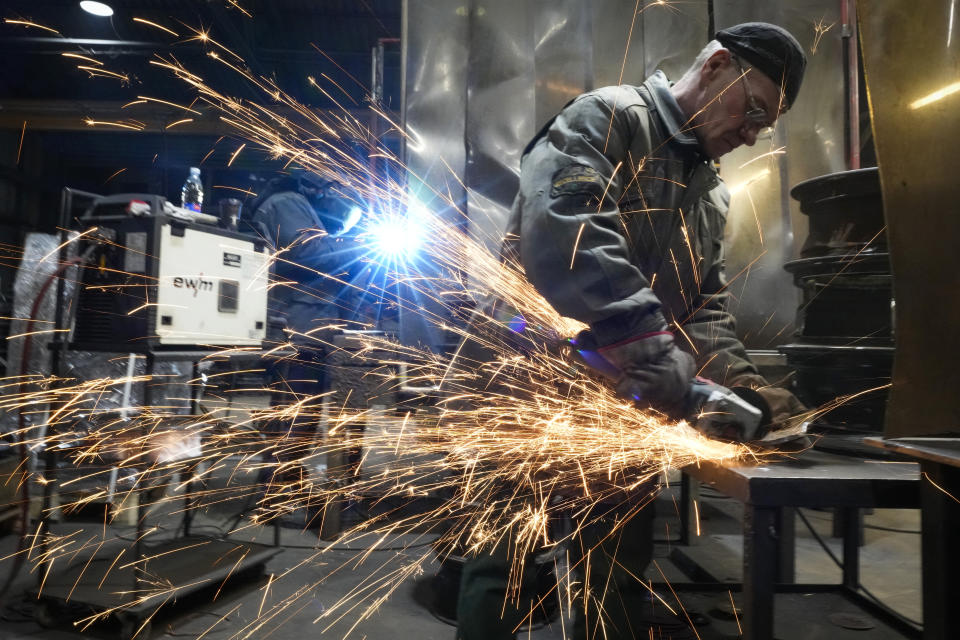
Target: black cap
[(772, 50)]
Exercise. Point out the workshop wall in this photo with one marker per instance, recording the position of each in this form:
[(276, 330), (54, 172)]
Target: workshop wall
[(482, 78), (765, 228), (911, 56)]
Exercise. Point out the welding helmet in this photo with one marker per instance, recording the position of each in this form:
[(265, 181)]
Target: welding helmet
[(339, 208), (308, 185)]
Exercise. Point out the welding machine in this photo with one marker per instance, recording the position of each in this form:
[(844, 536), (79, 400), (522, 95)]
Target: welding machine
[(157, 277)]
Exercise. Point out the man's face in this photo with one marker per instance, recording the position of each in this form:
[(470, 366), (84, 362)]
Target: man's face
[(735, 106)]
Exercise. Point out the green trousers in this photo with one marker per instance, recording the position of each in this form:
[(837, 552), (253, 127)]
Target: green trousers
[(616, 566)]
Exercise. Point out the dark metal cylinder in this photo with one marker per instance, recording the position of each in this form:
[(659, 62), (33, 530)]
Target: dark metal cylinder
[(229, 213), (845, 211), (844, 337)]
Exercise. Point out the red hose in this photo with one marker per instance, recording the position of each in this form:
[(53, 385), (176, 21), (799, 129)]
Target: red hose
[(21, 446)]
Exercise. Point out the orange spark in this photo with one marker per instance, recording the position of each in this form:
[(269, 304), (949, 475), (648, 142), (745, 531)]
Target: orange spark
[(169, 104), (246, 191), (20, 148), (178, 122), (157, 26), (27, 23), (114, 175), (236, 153), (80, 57), (91, 122)]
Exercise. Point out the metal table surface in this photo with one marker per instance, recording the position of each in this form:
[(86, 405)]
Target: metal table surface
[(940, 521), (814, 479), (940, 450), (771, 489)]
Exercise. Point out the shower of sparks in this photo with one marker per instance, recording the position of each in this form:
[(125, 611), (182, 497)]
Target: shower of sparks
[(177, 123), (779, 151), (760, 175), (80, 57), (819, 30), (236, 153), (236, 5), (736, 616), (23, 133), (114, 175), (666, 4), (941, 489), (100, 72), (513, 431), (157, 26), (246, 191), (33, 25), (123, 125), (169, 104)]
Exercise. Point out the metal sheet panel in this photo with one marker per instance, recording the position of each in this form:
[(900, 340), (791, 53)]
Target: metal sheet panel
[(562, 47), (435, 50), (673, 35), (500, 102), (910, 51), (765, 228)]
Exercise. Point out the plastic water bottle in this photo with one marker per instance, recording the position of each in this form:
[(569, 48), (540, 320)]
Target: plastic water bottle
[(191, 196)]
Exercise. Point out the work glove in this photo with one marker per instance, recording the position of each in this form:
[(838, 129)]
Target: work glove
[(648, 369), (736, 415), (777, 406), (781, 404)]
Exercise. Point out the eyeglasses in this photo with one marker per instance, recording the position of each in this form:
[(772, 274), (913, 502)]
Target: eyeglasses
[(756, 116)]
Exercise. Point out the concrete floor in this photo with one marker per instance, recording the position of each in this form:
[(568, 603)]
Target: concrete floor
[(299, 585), (287, 600)]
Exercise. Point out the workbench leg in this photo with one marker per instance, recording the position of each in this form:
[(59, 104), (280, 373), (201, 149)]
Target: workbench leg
[(852, 528), (840, 515), (141, 482), (786, 545), (760, 538), (196, 393), (689, 495), (335, 483), (940, 552), (188, 504)]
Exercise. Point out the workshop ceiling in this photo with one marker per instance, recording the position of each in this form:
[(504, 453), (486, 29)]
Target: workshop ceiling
[(280, 39)]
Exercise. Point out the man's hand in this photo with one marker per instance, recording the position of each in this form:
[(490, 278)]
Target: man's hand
[(781, 405), (651, 370), (726, 414)]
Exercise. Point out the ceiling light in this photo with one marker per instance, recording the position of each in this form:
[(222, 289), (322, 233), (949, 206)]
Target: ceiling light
[(97, 8)]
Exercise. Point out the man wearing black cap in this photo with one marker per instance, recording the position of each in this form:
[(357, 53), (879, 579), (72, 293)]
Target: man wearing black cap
[(619, 223)]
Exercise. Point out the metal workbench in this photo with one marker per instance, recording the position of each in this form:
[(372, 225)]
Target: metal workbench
[(190, 563), (772, 490), (940, 517)]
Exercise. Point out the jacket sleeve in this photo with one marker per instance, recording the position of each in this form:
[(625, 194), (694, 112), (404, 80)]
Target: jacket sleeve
[(711, 328), (293, 225), (572, 239), (723, 358)]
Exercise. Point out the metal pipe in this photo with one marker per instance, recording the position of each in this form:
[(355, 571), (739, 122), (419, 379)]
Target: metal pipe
[(852, 81)]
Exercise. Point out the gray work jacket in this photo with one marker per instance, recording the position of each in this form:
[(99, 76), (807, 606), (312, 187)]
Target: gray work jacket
[(619, 223), (288, 220)]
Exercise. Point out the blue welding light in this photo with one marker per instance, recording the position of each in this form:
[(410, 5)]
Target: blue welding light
[(396, 237), (517, 324)]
